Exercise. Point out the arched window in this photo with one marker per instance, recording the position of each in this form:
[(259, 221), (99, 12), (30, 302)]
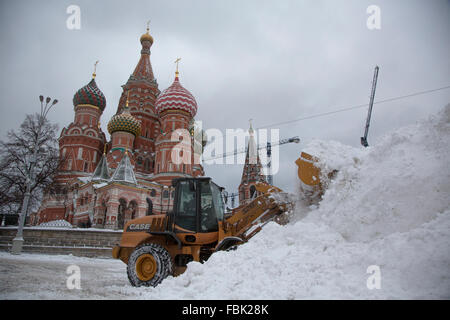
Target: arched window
[(121, 213), (133, 208), (149, 207), (252, 191)]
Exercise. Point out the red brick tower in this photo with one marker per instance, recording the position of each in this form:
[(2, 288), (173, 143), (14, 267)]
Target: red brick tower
[(142, 90), (176, 108), (252, 172), (81, 143), (123, 128)]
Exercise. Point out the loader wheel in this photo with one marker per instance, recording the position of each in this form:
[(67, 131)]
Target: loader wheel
[(148, 265)]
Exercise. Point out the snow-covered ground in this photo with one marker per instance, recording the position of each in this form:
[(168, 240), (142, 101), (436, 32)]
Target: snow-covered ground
[(38, 276), (389, 207)]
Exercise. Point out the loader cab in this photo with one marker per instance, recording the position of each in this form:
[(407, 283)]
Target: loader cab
[(198, 205)]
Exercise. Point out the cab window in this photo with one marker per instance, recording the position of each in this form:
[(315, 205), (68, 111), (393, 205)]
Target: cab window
[(211, 207), (186, 217)]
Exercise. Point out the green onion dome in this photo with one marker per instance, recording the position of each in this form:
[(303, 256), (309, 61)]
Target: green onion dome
[(124, 122)]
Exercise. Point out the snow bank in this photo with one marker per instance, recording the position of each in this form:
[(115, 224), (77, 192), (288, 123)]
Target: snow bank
[(398, 184), (388, 206)]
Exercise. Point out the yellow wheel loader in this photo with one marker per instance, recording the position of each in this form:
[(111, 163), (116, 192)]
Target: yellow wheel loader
[(154, 247)]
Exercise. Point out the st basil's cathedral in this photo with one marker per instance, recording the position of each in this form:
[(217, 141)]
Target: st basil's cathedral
[(104, 184)]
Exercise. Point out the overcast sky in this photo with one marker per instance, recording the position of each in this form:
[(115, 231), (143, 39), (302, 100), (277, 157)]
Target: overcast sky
[(271, 61)]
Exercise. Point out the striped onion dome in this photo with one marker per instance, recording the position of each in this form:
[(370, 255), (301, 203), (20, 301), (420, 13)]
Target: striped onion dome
[(124, 122), (176, 97), (90, 94)]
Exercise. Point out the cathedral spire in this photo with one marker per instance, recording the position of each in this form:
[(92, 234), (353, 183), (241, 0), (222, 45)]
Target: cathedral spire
[(252, 171), (252, 167), (143, 70), (252, 151)]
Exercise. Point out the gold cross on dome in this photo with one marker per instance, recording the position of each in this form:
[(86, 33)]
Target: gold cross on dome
[(177, 61), (95, 69), (148, 25), (128, 96)]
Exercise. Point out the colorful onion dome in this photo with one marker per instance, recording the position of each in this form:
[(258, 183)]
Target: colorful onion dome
[(176, 97), (90, 94), (124, 122)]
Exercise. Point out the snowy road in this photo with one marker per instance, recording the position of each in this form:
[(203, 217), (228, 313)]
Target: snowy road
[(37, 276)]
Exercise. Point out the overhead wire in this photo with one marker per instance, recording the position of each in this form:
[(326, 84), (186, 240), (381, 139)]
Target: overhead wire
[(323, 114)]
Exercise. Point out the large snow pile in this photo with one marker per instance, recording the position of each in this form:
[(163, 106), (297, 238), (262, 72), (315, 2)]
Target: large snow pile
[(395, 186), (388, 206)]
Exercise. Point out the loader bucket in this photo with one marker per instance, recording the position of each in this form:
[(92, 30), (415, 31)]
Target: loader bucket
[(311, 186), (308, 173)]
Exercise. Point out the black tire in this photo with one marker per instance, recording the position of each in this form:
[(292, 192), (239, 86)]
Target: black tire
[(163, 264)]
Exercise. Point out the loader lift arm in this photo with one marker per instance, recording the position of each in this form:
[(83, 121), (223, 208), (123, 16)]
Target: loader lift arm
[(249, 219)]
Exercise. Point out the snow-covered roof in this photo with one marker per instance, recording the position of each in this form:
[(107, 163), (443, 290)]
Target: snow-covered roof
[(57, 224), (84, 179)]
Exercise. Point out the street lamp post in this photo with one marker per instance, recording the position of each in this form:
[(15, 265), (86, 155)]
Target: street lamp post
[(17, 242)]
